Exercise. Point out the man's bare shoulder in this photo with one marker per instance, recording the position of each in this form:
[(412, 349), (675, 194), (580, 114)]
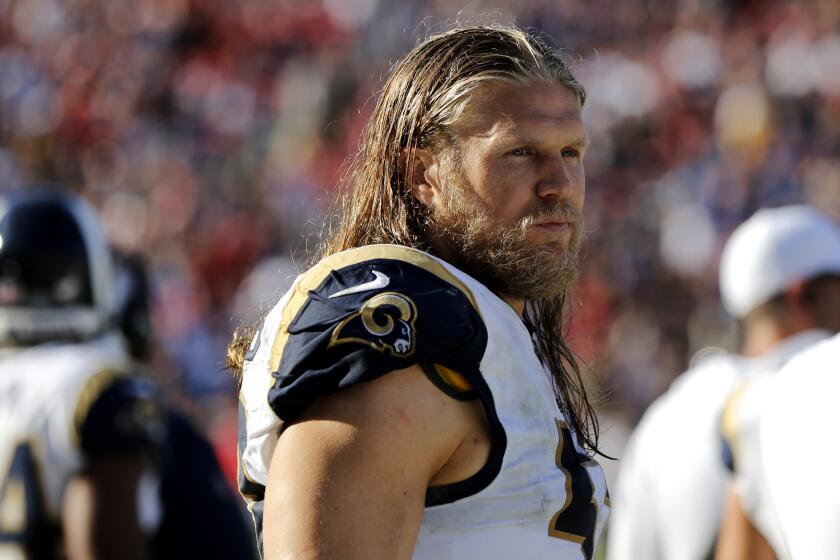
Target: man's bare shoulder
[(373, 450), (403, 406)]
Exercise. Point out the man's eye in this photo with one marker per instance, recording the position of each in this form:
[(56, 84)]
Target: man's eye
[(571, 153), (521, 152)]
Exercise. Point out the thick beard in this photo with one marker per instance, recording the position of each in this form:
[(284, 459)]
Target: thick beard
[(501, 257)]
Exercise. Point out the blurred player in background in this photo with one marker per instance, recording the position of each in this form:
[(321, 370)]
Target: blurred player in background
[(800, 451), (776, 279), (793, 306), (197, 514), (77, 431), (412, 395), (91, 463)]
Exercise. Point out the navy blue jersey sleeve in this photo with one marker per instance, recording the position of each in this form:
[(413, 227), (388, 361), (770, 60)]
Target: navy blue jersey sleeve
[(354, 319), (726, 455), (125, 417)]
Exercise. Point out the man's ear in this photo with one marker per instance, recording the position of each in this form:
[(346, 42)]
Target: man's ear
[(797, 294), (422, 174)]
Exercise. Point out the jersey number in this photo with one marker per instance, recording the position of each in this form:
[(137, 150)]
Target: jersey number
[(22, 506), (577, 519)]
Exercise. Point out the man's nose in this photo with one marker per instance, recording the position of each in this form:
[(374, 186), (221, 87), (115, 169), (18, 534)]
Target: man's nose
[(556, 180)]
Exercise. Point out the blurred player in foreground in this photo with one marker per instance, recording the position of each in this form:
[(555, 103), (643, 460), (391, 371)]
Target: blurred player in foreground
[(672, 484), (412, 394), (77, 432), (794, 305), (801, 451)]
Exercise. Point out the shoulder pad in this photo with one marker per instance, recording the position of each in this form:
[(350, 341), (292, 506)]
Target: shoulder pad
[(118, 413), (359, 314)]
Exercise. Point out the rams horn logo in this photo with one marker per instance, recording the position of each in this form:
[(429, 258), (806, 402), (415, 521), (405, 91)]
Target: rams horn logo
[(385, 322)]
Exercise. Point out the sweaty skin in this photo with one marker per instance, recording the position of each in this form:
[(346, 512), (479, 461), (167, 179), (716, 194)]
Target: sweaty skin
[(348, 480)]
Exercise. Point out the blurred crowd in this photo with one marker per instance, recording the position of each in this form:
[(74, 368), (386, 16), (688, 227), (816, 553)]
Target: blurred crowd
[(209, 134)]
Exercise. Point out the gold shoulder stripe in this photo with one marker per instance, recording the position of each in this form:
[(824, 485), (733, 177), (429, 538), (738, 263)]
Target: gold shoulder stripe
[(454, 379), (729, 419), (91, 391), (318, 273)]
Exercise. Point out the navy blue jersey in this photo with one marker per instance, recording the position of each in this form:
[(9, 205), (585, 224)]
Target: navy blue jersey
[(201, 515)]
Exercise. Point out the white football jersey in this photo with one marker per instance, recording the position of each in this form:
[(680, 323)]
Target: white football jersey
[(740, 428), (45, 394), (671, 481), (669, 496), (801, 453), (368, 311)]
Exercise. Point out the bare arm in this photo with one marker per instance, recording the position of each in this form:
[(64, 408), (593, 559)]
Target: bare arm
[(100, 510), (348, 480), (739, 539)]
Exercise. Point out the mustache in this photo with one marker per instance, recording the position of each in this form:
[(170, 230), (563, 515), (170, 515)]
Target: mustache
[(557, 210)]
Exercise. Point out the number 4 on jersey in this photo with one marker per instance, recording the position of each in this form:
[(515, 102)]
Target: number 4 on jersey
[(22, 522), (577, 520)]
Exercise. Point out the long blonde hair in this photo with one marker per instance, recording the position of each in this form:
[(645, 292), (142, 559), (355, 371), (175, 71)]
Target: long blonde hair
[(425, 94)]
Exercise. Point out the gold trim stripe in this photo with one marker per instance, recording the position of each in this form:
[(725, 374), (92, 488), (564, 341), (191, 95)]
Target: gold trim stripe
[(454, 379), (577, 539), (318, 273), (729, 420), (91, 391)]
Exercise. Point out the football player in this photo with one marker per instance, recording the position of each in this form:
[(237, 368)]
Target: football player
[(800, 451), (669, 504), (412, 394), (77, 431), (671, 481), (792, 306), (197, 512)]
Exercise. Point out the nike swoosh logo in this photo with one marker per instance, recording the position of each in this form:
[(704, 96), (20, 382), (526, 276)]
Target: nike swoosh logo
[(380, 282)]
